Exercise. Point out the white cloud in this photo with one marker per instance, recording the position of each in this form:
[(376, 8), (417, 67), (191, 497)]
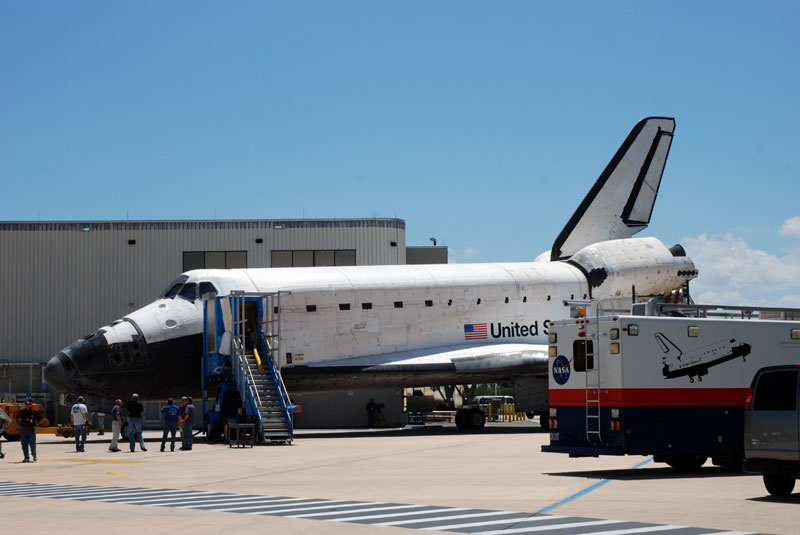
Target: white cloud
[(733, 273), (791, 227), (470, 251)]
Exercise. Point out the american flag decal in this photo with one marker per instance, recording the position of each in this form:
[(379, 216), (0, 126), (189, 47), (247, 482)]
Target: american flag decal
[(475, 331)]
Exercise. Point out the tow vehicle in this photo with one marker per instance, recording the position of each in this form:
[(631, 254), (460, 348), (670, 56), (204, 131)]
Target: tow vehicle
[(12, 433), (662, 379)]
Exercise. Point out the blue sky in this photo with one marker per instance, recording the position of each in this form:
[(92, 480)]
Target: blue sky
[(482, 124)]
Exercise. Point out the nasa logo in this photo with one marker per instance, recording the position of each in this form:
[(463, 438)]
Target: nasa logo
[(561, 369)]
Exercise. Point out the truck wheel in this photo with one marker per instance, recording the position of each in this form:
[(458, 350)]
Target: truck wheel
[(544, 421), (476, 419), (688, 463), (779, 484), (460, 419)]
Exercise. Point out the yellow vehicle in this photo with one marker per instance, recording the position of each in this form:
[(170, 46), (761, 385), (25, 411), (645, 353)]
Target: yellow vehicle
[(12, 431)]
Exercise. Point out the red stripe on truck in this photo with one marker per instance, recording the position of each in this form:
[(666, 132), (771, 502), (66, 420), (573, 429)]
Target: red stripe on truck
[(650, 397)]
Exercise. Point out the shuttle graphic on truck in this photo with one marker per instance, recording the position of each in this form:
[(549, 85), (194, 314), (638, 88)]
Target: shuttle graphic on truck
[(696, 363)]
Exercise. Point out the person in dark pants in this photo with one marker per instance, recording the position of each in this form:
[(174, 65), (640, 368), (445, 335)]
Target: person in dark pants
[(116, 425), (27, 420), (187, 419), (171, 413), (135, 415), (5, 421), (372, 413)]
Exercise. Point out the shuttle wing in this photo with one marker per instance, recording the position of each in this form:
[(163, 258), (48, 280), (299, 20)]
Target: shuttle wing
[(459, 358), (450, 364)]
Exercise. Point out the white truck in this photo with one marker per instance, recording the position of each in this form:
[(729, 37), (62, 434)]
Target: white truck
[(667, 380)]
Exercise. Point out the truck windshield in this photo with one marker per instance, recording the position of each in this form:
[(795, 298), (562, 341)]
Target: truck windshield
[(776, 391)]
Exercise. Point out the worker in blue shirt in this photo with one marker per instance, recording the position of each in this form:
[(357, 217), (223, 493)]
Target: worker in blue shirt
[(187, 422), (170, 413)]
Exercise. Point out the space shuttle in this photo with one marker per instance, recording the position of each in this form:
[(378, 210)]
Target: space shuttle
[(357, 327)]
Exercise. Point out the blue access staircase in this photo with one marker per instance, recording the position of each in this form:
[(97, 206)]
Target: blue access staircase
[(240, 338)]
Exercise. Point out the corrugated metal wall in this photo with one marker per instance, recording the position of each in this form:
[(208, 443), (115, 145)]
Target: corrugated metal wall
[(62, 280)]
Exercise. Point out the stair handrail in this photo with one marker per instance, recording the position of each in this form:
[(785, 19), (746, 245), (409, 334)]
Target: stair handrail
[(244, 380), (277, 380), (284, 391), (285, 400)]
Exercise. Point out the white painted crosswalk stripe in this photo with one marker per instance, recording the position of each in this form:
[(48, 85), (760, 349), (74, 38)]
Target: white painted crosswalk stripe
[(548, 527), (276, 507), (645, 529), (333, 504), (227, 501), (409, 516), (385, 515), (156, 500), (526, 518), (440, 518)]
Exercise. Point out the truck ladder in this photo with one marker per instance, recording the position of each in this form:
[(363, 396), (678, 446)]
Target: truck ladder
[(592, 376)]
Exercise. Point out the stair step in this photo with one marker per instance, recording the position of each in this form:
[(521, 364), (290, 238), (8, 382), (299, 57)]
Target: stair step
[(272, 413)]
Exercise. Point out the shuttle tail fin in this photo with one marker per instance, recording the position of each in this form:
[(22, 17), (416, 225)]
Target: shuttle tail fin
[(621, 201)]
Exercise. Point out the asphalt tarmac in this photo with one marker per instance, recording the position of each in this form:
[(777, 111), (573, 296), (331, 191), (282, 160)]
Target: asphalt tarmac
[(434, 478)]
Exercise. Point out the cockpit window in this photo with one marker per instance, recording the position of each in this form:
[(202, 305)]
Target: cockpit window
[(172, 292), (174, 287), (207, 287), (189, 292)]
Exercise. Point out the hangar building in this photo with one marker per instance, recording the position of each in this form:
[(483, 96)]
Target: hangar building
[(60, 280)]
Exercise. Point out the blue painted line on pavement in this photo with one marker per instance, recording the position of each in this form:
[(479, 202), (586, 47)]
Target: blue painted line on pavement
[(587, 490)]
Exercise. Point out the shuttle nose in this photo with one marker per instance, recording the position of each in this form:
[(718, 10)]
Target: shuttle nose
[(58, 373), (100, 364)]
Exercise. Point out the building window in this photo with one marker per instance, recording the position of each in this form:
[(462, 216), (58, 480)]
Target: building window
[(303, 259), (344, 257), (324, 258), (281, 259), (214, 260)]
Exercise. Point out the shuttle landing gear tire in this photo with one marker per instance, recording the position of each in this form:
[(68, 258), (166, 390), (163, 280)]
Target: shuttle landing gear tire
[(779, 484), (123, 431), (688, 463), (476, 419), (11, 437), (470, 419)]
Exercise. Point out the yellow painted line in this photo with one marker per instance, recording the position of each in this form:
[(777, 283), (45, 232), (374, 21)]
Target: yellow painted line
[(86, 460), (122, 475)]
